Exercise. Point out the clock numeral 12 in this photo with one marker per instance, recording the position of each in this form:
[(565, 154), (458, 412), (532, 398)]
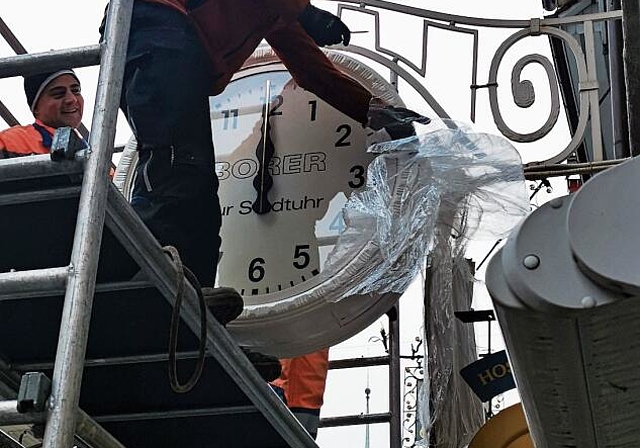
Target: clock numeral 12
[(228, 114), (256, 269)]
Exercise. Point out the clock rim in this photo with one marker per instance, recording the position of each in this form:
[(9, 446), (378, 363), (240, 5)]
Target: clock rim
[(269, 327)]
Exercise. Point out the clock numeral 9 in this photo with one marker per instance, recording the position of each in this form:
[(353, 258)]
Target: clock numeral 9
[(345, 129), (228, 114), (358, 176), (301, 257), (256, 269)]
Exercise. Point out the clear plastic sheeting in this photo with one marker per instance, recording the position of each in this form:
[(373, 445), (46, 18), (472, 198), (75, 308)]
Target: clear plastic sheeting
[(466, 184), (450, 185)]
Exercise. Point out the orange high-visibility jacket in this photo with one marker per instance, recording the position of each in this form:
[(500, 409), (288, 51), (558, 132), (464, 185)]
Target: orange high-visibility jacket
[(23, 141), (231, 30), (304, 378)]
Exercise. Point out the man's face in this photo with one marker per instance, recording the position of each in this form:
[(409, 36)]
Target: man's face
[(61, 103)]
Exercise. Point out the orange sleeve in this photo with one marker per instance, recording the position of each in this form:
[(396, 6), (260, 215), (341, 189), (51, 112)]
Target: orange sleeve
[(313, 71), (21, 141)]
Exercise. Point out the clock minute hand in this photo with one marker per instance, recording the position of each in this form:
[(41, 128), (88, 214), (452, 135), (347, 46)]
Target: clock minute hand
[(264, 153)]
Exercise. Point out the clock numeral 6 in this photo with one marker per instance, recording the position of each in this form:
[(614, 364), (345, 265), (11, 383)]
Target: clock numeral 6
[(256, 269), (345, 129), (358, 176), (301, 257)]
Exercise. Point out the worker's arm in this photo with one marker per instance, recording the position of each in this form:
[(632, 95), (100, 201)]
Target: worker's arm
[(313, 71)]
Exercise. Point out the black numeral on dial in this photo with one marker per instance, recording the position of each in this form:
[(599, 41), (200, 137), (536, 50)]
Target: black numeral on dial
[(279, 102), (314, 109), (345, 131), (301, 256), (256, 269), (358, 176), (230, 115)]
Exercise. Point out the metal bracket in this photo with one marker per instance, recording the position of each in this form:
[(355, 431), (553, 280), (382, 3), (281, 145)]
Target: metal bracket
[(66, 144), (35, 389)]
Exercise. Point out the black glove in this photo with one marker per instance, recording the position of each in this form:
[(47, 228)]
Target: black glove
[(324, 27), (397, 121)]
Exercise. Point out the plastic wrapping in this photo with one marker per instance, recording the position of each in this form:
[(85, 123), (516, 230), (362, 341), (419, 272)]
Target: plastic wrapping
[(427, 197), (465, 183)]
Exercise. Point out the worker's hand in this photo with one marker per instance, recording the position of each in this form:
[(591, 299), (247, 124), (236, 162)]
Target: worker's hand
[(324, 27)]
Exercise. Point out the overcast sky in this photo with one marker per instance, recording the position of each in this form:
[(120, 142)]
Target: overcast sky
[(47, 24)]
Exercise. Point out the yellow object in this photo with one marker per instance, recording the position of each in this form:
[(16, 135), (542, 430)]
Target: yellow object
[(508, 429)]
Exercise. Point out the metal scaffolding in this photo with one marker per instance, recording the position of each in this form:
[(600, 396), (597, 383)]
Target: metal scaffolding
[(99, 209)]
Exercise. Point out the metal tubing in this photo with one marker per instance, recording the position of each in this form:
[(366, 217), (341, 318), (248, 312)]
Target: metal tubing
[(359, 362), (30, 197), (34, 281), (72, 343), (180, 413), (11, 38), (7, 116), (32, 63), (95, 435), (41, 165), (9, 414), (87, 429), (395, 408), (480, 22), (361, 419)]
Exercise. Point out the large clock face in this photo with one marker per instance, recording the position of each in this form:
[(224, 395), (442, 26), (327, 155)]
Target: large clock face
[(319, 159), (275, 258)]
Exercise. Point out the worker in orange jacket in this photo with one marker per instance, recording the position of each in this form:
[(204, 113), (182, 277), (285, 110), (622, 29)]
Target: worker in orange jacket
[(55, 99), (301, 386)]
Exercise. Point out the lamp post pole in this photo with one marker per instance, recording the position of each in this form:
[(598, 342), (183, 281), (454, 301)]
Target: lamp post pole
[(631, 38)]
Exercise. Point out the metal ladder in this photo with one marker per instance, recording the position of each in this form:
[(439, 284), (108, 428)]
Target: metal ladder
[(98, 203)]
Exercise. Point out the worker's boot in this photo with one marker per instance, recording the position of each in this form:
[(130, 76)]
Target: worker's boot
[(267, 366), (386, 123), (224, 303)]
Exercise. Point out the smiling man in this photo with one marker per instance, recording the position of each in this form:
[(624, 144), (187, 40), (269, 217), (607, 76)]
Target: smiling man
[(55, 99)]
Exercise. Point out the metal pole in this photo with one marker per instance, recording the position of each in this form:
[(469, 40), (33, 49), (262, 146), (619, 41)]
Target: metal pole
[(34, 281), (616, 79), (631, 38), (395, 425), (76, 314)]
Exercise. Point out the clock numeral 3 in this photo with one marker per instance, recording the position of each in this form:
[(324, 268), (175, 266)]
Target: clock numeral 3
[(345, 129), (358, 176), (301, 257), (227, 114), (256, 269)]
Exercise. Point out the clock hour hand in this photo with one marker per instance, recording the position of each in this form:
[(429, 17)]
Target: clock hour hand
[(264, 153)]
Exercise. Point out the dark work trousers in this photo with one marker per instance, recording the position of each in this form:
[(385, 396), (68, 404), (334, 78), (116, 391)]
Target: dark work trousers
[(165, 100)]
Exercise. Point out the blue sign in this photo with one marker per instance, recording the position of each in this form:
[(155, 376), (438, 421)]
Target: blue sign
[(489, 376)]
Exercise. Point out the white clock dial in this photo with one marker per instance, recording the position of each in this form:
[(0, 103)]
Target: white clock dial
[(319, 159), (276, 259)]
